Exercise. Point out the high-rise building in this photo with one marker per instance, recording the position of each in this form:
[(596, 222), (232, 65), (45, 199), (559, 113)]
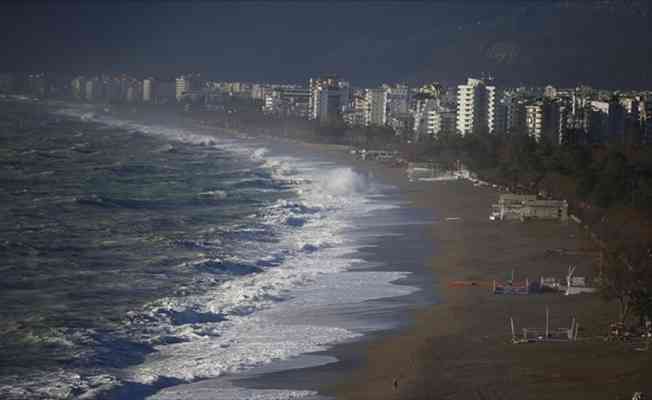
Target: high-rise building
[(329, 105), (398, 100), (131, 94), (92, 90), (632, 120), (431, 117), (534, 120), (355, 110), (475, 107), (597, 121), (185, 84), (327, 96), (425, 101), (316, 86), (287, 102), (376, 111), (182, 86), (440, 121), (502, 107), (78, 86), (148, 90), (564, 120), (257, 91), (550, 92), (271, 104), (544, 121), (510, 115)]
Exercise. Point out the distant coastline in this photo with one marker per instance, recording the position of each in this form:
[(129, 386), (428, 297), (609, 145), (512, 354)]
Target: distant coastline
[(460, 348)]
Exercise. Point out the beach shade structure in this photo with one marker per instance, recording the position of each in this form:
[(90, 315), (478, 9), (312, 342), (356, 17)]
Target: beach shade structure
[(546, 334), (576, 284)]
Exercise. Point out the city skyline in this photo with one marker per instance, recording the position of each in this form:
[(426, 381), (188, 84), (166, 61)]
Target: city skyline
[(531, 43)]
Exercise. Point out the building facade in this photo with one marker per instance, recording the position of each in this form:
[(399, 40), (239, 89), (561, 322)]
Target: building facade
[(287, 102), (376, 110), (329, 96), (544, 121), (148, 90), (182, 85), (476, 107), (398, 98), (78, 87)]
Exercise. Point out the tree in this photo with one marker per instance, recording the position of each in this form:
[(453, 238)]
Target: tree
[(611, 185), (641, 260), (626, 277), (615, 281)]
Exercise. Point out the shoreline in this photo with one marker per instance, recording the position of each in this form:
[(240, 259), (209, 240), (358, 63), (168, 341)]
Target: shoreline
[(382, 319), (460, 347), (307, 372)]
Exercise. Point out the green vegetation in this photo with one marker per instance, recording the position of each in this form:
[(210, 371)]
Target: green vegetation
[(608, 186), (626, 277), (605, 176)]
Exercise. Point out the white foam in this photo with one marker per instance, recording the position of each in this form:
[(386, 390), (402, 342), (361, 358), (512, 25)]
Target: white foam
[(262, 309), (217, 194), (259, 153)]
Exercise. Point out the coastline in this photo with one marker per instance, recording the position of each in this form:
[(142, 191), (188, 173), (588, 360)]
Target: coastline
[(459, 348), (376, 319), (380, 308)]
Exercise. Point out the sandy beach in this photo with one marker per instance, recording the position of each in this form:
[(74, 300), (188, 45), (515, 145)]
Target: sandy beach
[(459, 348)]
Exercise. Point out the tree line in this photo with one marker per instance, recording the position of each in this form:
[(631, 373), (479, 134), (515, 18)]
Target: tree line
[(609, 186)]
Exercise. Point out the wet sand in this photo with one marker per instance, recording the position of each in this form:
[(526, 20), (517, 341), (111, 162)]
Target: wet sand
[(459, 348)]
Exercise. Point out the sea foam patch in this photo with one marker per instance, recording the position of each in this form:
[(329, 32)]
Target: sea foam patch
[(255, 318)]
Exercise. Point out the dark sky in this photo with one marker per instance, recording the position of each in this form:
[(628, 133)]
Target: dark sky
[(603, 43)]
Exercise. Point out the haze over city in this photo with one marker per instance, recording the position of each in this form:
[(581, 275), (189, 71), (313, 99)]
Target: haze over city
[(599, 43), (326, 200)]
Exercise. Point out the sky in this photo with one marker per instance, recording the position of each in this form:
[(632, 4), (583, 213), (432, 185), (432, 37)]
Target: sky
[(604, 43)]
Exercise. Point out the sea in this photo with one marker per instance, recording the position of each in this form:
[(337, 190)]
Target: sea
[(139, 257)]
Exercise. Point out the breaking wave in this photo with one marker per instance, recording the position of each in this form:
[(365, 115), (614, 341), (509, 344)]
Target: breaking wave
[(247, 280)]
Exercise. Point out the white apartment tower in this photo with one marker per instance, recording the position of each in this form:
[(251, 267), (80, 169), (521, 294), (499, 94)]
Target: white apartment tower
[(376, 110), (78, 87), (534, 120), (148, 88), (431, 118), (182, 86), (91, 90), (476, 107)]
